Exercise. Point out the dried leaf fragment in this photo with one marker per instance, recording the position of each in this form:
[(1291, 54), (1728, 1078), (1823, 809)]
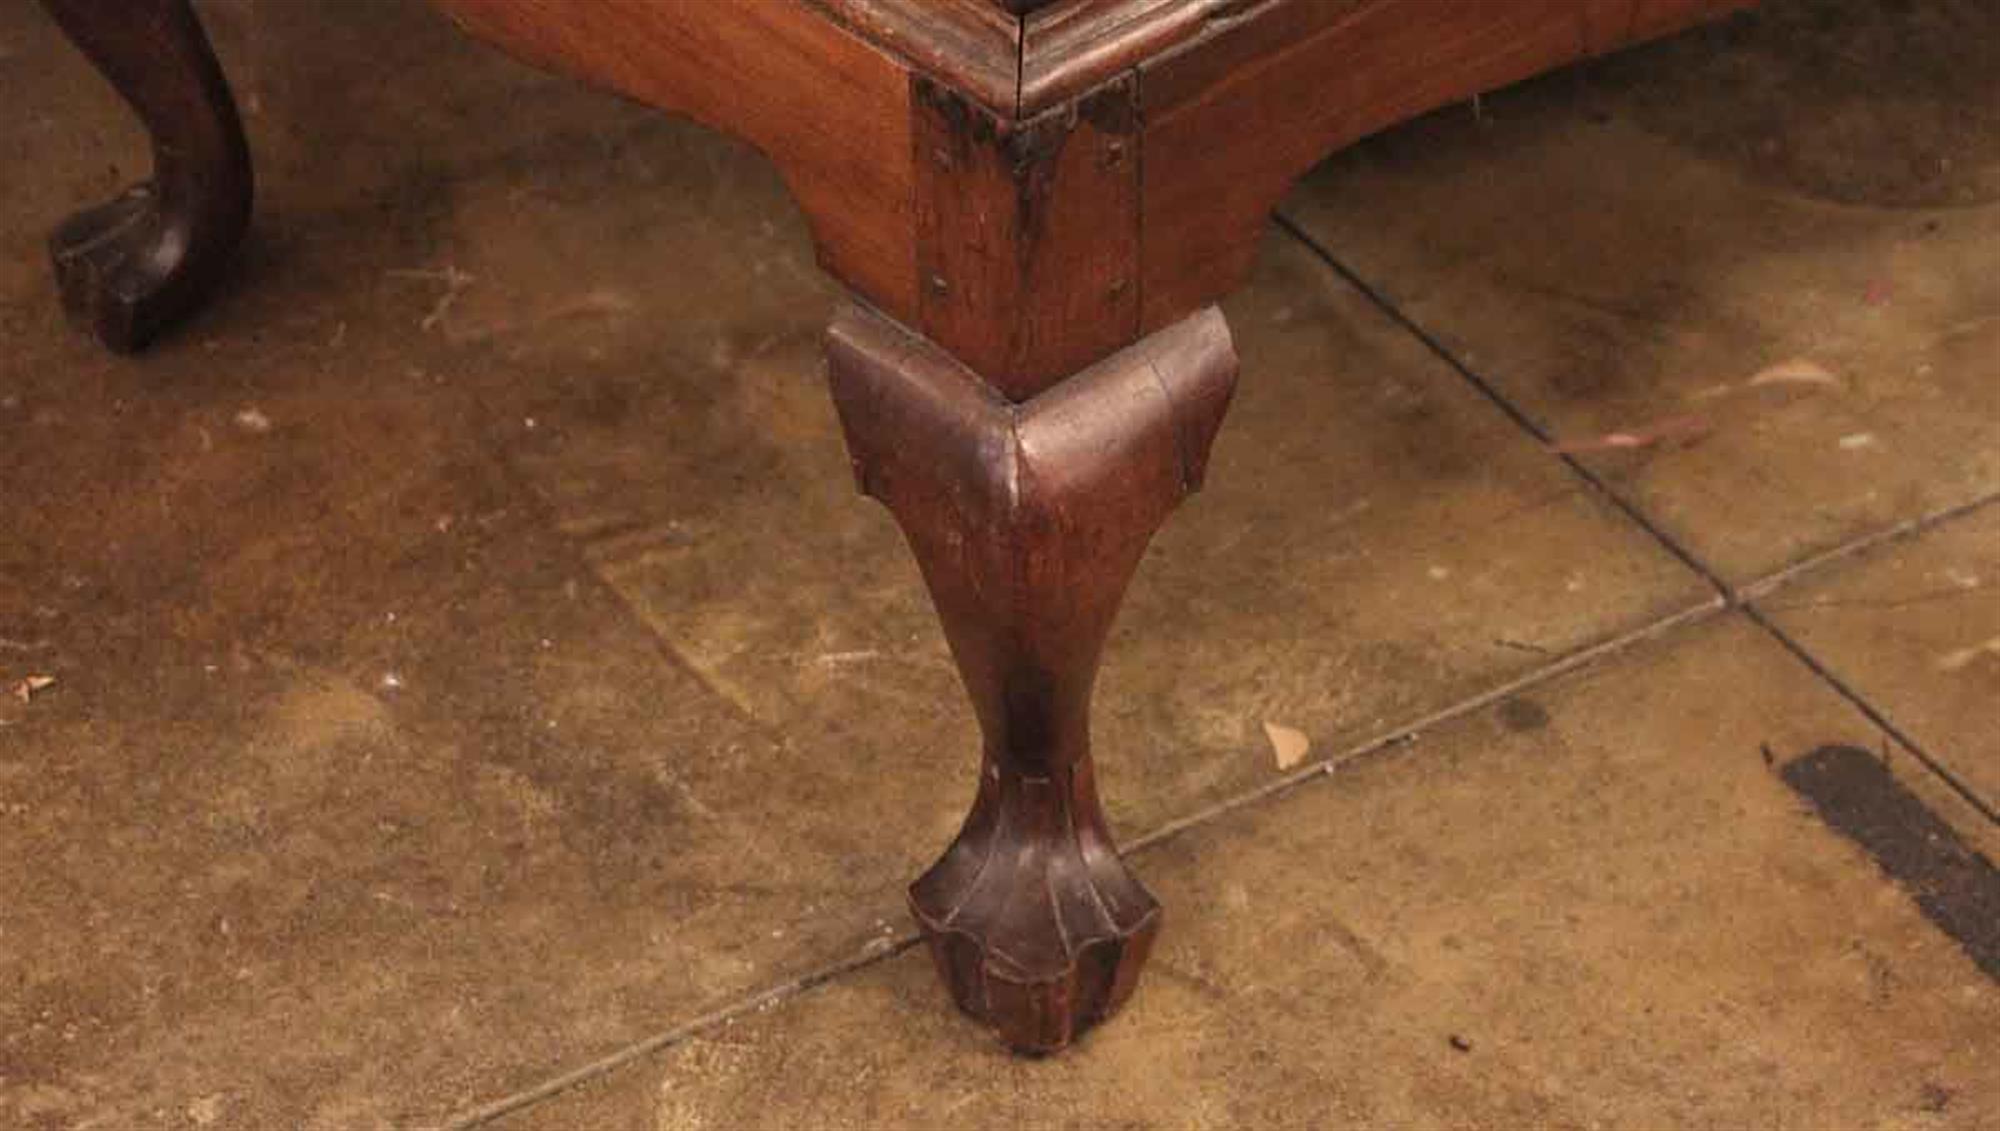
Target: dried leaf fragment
[(1287, 744), (1672, 428)]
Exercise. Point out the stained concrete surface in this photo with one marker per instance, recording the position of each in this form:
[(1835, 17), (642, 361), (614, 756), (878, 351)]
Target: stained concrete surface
[(1561, 925), (1766, 250), (471, 659)]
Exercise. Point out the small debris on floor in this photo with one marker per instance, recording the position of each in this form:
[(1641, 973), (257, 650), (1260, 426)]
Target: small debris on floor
[(1793, 371), (1936, 1097), (204, 1112), (253, 421), (1672, 428), (1856, 441), (1287, 744), (1960, 658), (28, 687), (1796, 371), (835, 659), (1462, 1044), (454, 280)]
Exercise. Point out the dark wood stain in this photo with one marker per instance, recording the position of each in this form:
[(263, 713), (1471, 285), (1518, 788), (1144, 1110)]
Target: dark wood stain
[(1027, 233)]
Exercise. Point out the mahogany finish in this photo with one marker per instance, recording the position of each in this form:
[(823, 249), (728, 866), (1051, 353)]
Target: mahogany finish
[(131, 268), (1028, 520), (1027, 234), (1039, 200), (973, 46)]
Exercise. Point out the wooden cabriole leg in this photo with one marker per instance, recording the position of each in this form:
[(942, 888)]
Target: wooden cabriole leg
[(1028, 520), (131, 268)]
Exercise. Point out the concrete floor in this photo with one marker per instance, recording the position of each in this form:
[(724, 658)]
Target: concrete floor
[(479, 696)]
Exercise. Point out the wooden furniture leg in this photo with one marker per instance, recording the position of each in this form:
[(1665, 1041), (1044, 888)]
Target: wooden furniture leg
[(131, 268), (1028, 519)]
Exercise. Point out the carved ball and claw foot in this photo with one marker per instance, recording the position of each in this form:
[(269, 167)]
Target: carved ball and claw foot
[(1028, 520), (134, 267)]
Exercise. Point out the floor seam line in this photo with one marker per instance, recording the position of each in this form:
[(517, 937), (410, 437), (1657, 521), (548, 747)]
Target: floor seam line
[(1723, 600), (604, 1065), (1779, 578), (1874, 715), (1403, 734), (1407, 733), (1751, 594), (1735, 597), (1507, 408)]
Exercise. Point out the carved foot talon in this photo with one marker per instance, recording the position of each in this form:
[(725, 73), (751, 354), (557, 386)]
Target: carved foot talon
[(122, 270), (1036, 927), (131, 268)]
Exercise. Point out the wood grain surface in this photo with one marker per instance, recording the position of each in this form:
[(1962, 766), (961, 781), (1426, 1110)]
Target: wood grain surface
[(1028, 520)]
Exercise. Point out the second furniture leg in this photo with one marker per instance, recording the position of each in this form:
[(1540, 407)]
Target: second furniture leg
[(1028, 520), (131, 268)]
